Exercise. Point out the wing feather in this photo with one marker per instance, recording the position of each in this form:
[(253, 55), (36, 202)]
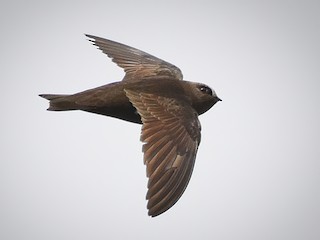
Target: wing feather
[(171, 135), (136, 63)]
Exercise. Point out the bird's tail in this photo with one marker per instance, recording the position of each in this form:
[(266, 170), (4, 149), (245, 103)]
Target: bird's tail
[(59, 102)]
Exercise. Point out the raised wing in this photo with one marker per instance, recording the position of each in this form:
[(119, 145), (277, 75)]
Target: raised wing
[(171, 133), (136, 63)]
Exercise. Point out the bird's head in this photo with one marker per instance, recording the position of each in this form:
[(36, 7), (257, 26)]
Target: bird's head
[(203, 97)]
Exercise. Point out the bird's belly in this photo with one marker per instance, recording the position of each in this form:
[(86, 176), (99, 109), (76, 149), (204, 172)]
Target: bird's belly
[(127, 113)]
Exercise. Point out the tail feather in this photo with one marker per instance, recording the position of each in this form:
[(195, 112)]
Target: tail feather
[(59, 102), (52, 96)]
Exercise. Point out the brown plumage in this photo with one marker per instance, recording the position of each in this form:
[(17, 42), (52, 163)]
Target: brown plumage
[(153, 93)]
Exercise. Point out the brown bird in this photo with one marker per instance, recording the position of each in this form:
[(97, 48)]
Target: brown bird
[(152, 93)]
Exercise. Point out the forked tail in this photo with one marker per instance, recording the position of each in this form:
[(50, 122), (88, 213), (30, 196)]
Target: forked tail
[(59, 102)]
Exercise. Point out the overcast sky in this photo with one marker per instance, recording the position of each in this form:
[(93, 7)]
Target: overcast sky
[(75, 175)]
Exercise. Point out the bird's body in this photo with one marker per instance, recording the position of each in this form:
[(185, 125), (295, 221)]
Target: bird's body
[(111, 99), (152, 93)]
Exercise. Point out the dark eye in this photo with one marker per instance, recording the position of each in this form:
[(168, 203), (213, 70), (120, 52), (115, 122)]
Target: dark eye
[(206, 90)]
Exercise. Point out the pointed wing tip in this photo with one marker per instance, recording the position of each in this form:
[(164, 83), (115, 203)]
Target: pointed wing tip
[(154, 214), (89, 35), (157, 212), (91, 39)]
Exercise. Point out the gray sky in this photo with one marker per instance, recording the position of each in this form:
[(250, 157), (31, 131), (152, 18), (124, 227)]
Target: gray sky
[(75, 175)]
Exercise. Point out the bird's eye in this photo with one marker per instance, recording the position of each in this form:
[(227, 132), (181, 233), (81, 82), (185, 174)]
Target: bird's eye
[(206, 89)]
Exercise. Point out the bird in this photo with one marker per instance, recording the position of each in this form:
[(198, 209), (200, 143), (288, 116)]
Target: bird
[(154, 94)]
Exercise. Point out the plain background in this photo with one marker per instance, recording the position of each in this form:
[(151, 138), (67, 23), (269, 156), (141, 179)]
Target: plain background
[(74, 175)]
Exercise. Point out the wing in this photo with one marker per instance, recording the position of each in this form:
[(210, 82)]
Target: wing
[(136, 64), (171, 135)]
